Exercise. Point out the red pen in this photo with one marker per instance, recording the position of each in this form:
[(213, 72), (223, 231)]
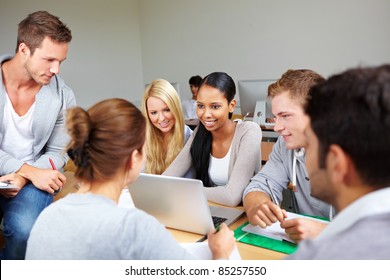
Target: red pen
[(54, 168), (52, 164)]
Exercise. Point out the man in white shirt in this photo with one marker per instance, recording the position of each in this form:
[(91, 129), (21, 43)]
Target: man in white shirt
[(347, 158), (189, 105), (33, 100)]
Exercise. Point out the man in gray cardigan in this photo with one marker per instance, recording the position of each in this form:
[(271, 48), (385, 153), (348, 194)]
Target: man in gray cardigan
[(286, 165), (33, 100)]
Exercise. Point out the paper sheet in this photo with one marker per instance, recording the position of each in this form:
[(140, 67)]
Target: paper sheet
[(275, 231), (4, 185)]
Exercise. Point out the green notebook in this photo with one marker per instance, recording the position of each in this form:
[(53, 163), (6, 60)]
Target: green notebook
[(265, 242)]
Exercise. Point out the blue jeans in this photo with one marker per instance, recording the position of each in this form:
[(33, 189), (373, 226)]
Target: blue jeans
[(20, 214)]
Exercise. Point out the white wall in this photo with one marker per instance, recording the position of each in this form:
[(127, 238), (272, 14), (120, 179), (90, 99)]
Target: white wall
[(120, 45), (253, 39)]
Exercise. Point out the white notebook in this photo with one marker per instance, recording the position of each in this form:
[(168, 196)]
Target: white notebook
[(6, 185), (275, 231)]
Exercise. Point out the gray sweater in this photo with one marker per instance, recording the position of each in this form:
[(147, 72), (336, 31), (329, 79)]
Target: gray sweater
[(360, 231), (279, 172), (50, 136), (244, 163), (88, 226)]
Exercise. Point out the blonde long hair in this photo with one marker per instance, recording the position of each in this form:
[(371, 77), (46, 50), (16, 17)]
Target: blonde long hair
[(158, 159)]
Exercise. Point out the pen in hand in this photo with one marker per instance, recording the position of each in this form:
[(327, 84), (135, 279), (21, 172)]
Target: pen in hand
[(52, 164), (54, 168), (273, 196)]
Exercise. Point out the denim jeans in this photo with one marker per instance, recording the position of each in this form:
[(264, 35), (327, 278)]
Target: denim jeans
[(20, 214)]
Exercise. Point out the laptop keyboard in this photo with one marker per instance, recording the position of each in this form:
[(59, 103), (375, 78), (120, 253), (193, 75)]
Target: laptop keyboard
[(218, 220)]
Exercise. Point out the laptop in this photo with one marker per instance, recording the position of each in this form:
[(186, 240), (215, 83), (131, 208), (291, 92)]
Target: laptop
[(179, 203)]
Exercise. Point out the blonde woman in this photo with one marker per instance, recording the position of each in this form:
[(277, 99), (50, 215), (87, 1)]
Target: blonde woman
[(166, 132)]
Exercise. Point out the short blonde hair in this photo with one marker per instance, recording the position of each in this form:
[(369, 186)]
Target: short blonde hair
[(158, 159)]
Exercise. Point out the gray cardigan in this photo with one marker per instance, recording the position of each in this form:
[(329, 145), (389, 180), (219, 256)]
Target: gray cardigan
[(50, 136), (279, 172), (244, 163)]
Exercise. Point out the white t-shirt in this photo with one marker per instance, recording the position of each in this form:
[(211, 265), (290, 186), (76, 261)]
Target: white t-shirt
[(219, 169), (18, 138)]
